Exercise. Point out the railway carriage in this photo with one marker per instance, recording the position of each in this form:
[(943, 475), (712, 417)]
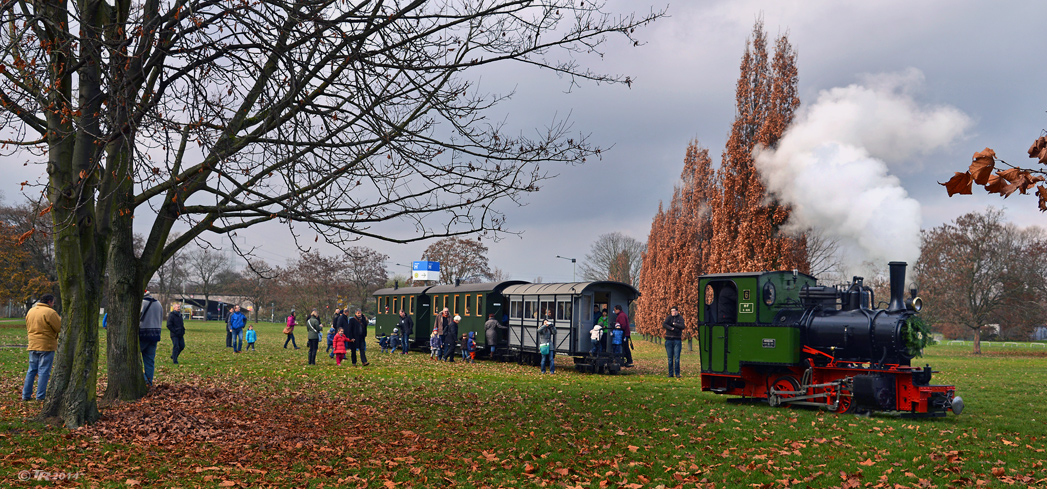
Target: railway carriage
[(572, 307), (473, 302), (414, 302)]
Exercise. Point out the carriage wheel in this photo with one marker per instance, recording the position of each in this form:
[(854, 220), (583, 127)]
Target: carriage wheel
[(785, 383)]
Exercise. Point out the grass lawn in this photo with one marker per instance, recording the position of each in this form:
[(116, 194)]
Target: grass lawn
[(264, 418)]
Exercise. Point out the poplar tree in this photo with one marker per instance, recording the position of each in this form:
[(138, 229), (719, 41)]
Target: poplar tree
[(747, 221)]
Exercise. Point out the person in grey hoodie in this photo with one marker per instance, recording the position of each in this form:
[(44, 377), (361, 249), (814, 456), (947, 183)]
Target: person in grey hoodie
[(149, 333)]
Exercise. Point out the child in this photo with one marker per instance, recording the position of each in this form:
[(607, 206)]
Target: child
[(330, 342), (394, 340), (464, 344), (339, 347), (435, 345), (596, 335), (250, 336), (616, 339), (471, 346), (383, 341)]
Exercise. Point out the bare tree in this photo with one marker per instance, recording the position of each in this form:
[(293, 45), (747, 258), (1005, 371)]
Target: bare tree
[(314, 280), (365, 271), (974, 272), (328, 116), (171, 277), (614, 256), (460, 259), (205, 268), (823, 255), (498, 275), (257, 283)]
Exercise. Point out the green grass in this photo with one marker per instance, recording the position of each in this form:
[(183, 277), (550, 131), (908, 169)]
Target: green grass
[(266, 419)]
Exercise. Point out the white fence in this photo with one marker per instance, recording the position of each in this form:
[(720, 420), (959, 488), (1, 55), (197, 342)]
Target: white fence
[(1016, 344)]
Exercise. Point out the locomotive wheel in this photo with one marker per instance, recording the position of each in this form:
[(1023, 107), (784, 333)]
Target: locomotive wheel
[(785, 383), (845, 403)]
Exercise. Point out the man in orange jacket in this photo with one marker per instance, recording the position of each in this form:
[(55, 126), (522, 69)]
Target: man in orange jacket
[(42, 324)]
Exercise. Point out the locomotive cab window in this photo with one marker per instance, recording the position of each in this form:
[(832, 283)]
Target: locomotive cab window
[(721, 299), (479, 304)]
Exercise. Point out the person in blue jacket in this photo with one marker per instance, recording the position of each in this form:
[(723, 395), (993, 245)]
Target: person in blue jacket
[(250, 336), (237, 321)]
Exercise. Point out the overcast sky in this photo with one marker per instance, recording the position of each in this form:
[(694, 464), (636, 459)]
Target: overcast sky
[(982, 62)]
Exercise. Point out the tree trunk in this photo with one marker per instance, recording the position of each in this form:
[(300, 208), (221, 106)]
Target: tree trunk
[(124, 360), (978, 342)]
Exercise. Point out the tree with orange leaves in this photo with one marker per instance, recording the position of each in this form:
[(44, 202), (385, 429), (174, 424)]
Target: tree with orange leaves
[(677, 247), (747, 221), (725, 221)]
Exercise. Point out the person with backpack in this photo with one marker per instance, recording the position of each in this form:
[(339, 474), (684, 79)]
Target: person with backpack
[(314, 330), (289, 331)]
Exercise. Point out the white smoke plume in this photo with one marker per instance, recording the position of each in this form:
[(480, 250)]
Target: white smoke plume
[(832, 165)]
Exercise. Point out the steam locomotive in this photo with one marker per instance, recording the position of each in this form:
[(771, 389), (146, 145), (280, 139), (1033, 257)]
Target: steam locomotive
[(782, 337)]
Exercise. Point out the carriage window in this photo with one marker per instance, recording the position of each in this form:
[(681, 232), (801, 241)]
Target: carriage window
[(563, 310), (447, 303), (393, 311), (403, 305), (467, 308), (479, 304), (530, 309), (516, 309), (549, 306), (412, 306), (457, 301)]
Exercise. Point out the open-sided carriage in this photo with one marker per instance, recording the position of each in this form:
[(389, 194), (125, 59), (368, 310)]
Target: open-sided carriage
[(571, 305)]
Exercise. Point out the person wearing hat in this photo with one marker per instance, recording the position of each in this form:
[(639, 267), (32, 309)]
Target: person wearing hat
[(451, 338), (394, 340)]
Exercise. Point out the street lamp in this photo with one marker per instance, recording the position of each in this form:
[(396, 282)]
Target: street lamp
[(573, 265)]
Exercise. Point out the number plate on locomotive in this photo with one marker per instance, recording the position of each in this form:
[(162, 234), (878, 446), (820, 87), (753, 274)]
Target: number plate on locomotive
[(768, 342)]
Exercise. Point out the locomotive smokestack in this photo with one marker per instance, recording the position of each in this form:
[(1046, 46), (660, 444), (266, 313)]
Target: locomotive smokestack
[(897, 286)]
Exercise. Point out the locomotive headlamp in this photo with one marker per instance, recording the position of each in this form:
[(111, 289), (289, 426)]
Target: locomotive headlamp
[(916, 304)]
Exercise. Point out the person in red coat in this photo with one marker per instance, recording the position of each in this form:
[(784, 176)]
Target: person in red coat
[(622, 319)]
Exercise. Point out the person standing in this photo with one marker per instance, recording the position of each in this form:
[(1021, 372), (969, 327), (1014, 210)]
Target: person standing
[(289, 331), (314, 328), (358, 337), (547, 342), (228, 330), (42, 325), (673, 326), (597, 314), (406, 326), (149, 333), (491, 328), (622, 319), (177, 328), (451, 338), (443, 322), (237, 321)]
